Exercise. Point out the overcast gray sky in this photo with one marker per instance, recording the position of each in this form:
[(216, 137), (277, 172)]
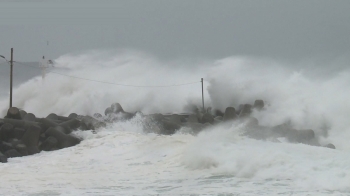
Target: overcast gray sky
[(293, 30)]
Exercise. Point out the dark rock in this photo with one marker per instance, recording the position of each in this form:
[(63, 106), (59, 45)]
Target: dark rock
[(73, 115), (14, 142), (175, 118), (230, 114), (219, 113), (29, 117), (22, 149), (49, 144), (156, 117), (13, 113), (108, 111), (3, 158), (12, 153), (18, 132), (90, 123), (5, 146), (207, 118), (169, 128), (52, 116), (258, 104), (62, 129), (22, 113), (245, 111), (63, 140), (20, 123), (31, 139), (46, 123), (116, 108), (70, 125), (6, 132), (192, 118)]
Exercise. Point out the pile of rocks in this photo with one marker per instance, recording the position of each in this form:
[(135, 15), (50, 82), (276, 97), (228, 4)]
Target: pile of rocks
[(168, 124), (23, 134)]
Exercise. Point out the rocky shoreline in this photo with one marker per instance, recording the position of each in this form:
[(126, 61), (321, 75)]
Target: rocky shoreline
[(23, 134)]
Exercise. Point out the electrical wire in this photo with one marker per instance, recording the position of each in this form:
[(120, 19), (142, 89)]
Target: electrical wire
[(127, 85)]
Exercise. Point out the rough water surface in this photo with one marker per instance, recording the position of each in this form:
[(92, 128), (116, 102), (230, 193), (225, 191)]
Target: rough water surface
[(122, 159)]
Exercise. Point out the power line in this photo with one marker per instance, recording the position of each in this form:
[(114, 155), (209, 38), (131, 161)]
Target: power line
[(92, 80)]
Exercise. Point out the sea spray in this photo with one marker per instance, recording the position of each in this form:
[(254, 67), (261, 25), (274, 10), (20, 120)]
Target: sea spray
[(292, 93)]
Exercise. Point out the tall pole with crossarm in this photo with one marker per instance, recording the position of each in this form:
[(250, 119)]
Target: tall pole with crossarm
[(11, 77)]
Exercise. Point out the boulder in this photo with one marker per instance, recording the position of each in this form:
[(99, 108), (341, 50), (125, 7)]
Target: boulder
[(18, 132), (20, 123), (29, 117), (169, 127), (258, 104), (90, 123), (73, 115), (31, 139), (230, 114), (219, 113), (22, 149), (49, 144), (22, 113), (46, 123), (3, 158), (246, 110), (12, 153), (207, 118), (52, 116), (116, 108), (63, 140), (192, 118), (13, 113), (70, 125), (108, 111), (5, 146), (6, 132), (175, 118)]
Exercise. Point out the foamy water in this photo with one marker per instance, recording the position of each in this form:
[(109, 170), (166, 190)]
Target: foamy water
[(123, 160)]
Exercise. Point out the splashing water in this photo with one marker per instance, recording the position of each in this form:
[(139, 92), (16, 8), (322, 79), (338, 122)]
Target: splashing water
[(123, 159)]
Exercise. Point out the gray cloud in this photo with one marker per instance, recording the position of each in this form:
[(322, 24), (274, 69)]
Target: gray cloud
[(170, 29)]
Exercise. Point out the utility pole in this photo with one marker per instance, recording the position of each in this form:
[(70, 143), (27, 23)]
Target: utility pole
[(202, 95), (11, 77)]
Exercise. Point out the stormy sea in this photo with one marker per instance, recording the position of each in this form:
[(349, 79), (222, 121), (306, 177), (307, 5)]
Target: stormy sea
[(124, 159)]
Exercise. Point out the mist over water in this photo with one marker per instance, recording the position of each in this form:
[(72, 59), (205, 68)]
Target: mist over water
[(306, 95)]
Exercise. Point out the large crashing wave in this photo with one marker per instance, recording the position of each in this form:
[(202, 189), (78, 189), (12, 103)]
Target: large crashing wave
[(306, 95)]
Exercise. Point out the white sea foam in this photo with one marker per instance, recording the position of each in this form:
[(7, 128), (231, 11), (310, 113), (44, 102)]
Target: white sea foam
[(121, 159)]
